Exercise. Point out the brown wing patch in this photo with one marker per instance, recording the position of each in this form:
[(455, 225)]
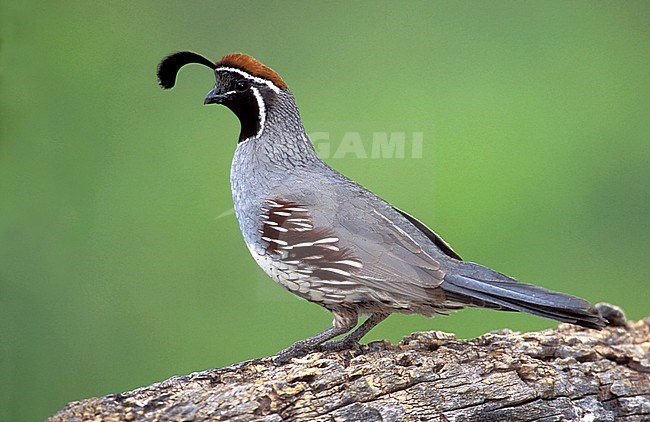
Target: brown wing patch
[(254, 67), (314, 251)]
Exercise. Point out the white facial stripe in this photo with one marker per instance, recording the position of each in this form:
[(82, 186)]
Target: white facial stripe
[(261, 108), (251, 77)]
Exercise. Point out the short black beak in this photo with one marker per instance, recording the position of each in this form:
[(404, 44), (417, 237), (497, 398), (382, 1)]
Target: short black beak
[(214, 97)]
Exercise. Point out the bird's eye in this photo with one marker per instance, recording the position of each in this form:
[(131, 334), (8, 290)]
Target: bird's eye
[(242, 85)]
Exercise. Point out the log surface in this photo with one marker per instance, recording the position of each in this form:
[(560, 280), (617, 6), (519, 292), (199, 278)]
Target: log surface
[(567, 373)]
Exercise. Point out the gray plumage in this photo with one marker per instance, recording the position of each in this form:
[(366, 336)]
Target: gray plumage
[(401, 266), (331, 241)]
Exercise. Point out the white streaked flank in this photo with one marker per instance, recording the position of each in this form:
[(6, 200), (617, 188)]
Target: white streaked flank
[(335, 283), (327, 240), (303, 271), (349, 262), (305, 225), (278, 241), (331, 247), (316, 242), (337, 271)]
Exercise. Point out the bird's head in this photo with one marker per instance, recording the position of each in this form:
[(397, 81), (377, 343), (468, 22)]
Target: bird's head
[(243, 84)]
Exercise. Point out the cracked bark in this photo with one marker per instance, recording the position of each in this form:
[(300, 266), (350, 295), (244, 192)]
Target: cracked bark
[(568, 373)]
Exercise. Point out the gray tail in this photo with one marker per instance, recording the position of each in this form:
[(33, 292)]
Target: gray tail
[(510, 295)]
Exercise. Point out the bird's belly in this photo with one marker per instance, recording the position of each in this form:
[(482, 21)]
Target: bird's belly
[(327, 294), (296, 282)]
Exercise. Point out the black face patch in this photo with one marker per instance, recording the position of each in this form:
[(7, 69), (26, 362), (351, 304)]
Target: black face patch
[(247, 98), (246, 108)]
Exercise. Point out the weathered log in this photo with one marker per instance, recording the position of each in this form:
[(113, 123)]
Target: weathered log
[(567, 373)]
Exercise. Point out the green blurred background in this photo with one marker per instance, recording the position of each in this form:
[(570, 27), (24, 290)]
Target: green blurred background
[(117, 267)]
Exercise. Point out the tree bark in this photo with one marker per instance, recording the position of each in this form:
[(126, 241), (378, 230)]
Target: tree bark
[(567, 373)]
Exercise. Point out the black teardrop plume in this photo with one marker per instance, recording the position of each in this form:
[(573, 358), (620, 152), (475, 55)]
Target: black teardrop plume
[(170, 65)]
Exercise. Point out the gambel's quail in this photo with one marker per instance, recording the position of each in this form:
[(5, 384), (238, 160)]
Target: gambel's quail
[(328, 239)]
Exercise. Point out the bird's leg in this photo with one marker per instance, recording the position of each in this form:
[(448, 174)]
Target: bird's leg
[(344, 321), (302, 347), (351, 341)]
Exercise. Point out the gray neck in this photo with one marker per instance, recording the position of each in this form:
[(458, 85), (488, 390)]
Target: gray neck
[(263, 163), (282, 145), (283, 140)]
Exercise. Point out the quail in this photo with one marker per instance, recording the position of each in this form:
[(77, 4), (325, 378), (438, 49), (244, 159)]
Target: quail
[(328, 239)]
